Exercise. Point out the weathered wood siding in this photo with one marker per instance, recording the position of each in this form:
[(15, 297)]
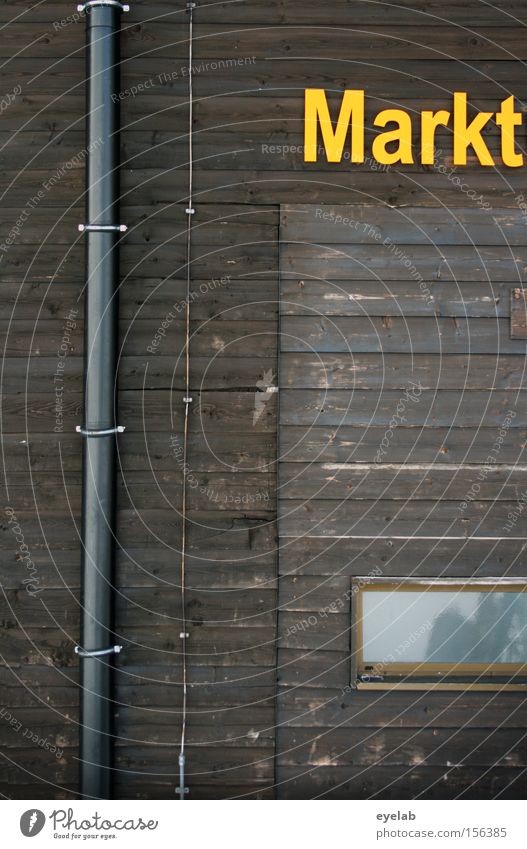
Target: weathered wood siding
[(385, 365), (248, 125)]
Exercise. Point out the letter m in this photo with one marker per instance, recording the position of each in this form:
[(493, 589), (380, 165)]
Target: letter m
[(351, 115)]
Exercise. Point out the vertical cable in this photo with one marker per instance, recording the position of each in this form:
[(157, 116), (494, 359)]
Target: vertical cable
[(182, 790)]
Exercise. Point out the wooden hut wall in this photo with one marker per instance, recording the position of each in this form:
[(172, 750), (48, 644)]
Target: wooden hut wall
[(252, 62)]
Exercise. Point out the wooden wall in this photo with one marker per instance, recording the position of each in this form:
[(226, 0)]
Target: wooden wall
[(402, 426), (248, 119)]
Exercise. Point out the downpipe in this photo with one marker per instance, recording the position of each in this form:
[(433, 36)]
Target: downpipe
[(102, 231)]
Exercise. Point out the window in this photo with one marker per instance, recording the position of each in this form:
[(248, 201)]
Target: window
[(423, 634)]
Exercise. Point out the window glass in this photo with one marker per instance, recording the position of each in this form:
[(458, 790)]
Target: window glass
[(443, 625)]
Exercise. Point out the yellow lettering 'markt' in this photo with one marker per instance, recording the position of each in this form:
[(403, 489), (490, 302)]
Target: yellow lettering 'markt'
[(466, 135)]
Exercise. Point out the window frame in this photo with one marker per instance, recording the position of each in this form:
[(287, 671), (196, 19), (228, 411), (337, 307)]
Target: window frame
[(423, 675)]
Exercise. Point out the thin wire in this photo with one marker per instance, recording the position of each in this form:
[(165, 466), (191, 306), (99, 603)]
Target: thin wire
[(186, 401)]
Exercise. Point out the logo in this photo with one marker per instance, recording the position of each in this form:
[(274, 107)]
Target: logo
[(32, 822)]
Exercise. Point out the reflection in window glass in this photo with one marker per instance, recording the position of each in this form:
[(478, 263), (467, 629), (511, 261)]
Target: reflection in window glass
[(447, 626)]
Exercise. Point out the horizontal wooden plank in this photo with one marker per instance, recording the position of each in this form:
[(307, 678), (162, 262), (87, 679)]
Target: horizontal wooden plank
[(208, 261), (152, 411), (224, 529), (386, 77), (398, 371), (395, 187), (404, 481), (147, 372), (396, 782), (312, 668), (217, 646), (158, 108), (220, 765), (53, 728), (246, 144), (437, 444), (489, 42), (221, 713), (261, 12), (213, 225), (395, 298), (425, 14), (215, 650), (433, 409), (231, 299), (256, 11), (24, 338), (301, 593), (402, 262), (162, 185), (137, 567), (432, 519), (402, 747), (423, 335), (41, 765), (304, 708), (219, 297), (207, 699), (62, 698), (149, 788), (412, 40), (358, 225), (330, 634), (235, 451), (144, 490)]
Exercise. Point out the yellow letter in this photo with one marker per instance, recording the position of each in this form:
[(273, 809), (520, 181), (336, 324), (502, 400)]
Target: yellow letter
[(351, 112), (471, 134), (507, 119), (403, 134), (430, 121)]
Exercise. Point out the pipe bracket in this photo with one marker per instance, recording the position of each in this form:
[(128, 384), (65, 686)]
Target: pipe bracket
[(98, 652), (102, 228), (124, 7), (108, 431)]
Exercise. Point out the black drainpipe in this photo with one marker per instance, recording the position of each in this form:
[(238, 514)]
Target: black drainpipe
[(99, 429)]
